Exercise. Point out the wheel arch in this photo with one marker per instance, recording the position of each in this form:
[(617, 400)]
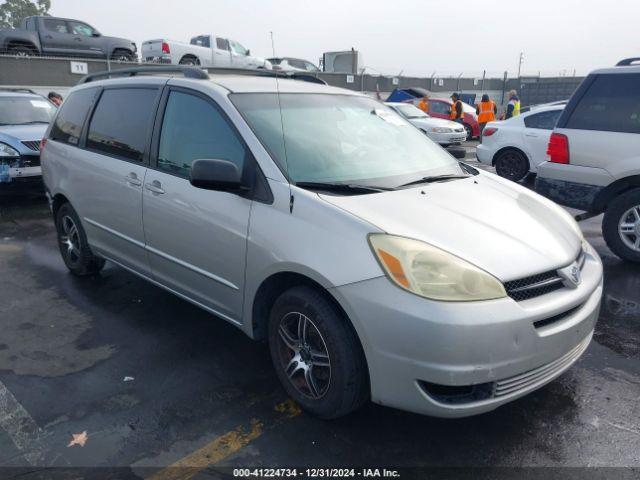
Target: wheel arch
[(617, 188), (190, 56), (58, 200), (11, 43)]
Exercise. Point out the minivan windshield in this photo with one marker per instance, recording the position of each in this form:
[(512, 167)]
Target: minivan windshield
[(342, 138), (25, 110)]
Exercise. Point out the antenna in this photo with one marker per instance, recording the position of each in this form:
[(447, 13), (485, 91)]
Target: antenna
[(284, 143)]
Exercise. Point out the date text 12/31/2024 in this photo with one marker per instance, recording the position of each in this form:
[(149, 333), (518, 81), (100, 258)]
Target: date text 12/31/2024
[(315, 473)]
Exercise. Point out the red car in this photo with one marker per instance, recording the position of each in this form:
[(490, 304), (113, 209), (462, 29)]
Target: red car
[(441, 108)]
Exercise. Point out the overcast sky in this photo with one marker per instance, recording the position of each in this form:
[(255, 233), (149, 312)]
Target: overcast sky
[(417, 37)]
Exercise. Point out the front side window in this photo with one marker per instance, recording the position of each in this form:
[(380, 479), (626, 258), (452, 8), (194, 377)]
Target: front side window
[(342, 138), (68, 124), (78, 28), (311, 67), (239, 49), (297, 64), (120, 122), (192, 129), (56, 25), (611, 104), (25, 110), (439, 107)]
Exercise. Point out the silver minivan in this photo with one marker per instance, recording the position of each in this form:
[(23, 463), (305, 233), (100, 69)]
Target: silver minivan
[(374, 264)]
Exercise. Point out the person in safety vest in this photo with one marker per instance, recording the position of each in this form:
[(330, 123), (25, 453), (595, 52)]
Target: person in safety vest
[(457, 113), (486, 111), (424, 104), (513, 107)]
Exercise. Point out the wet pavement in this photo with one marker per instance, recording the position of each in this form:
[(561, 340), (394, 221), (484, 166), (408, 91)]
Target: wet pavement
[(67, 344)]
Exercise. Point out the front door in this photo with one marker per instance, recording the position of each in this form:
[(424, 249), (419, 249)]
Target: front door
[(538, 128), (196, 239), (115, 164), (57, 39), (89, 39), (221, 53)]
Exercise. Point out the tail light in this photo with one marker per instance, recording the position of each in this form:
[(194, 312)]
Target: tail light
[(43, 142), (165, 48), (487, 132), (558, 149)]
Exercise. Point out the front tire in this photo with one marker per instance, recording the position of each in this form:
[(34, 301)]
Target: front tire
[(122, 56), (316, 354), (72, 241), (512, 165), (22, 51), (621, 226), (469, 130)]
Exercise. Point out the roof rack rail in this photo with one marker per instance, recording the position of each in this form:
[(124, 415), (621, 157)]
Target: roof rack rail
[(627, 61), (305, 77), (17, 90), (188, 72)]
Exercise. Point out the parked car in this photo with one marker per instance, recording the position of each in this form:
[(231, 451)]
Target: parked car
[(594, 155), (441, 108), (64, 37), (24, 117), (543, 105), (203, 50), (518, 145), (318, 219), (444, 132), (289, 64)]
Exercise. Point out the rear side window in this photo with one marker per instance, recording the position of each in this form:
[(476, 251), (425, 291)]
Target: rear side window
[(194, 129), (222, 43), (56, 25), (120, 122), (543, 120), (611, 104), (68, 125), (201, 40)]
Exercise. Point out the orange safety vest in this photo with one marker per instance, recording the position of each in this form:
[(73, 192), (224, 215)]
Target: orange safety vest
[(486, 112), (454, 113), (424, 106)]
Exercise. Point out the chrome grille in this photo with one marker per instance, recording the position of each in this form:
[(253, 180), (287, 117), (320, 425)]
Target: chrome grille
[(32, 145), (539, 284), (541, 374)]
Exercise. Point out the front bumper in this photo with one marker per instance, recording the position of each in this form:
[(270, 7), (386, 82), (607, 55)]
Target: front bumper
[(484, 154), (410, 341), (447, 138)]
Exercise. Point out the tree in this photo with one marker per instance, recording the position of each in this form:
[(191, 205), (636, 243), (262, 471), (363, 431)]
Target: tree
[(12, 12)]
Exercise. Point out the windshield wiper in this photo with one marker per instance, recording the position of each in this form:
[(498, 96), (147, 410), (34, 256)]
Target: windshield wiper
[(433, 179), (342, 187), (32, 122)]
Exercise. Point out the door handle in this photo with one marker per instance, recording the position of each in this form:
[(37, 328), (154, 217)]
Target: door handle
[(77, 39), (133, 180), (531, 135), (154, 187), (48, 36)]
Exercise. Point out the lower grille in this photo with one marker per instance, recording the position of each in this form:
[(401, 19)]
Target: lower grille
[(525, 380), (32, 145)]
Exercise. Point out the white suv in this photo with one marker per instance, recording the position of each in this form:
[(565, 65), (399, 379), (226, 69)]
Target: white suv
[(594, 155)]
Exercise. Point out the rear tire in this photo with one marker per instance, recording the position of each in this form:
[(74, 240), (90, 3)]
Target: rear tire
[(189, 61), (469, 131), (22, 51), (512, 165), (72, 241), (621, 226), (316, 354)]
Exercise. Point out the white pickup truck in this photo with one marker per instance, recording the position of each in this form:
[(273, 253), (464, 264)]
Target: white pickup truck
[(204, 50)]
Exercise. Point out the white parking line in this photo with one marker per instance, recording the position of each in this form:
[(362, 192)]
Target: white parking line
[(22, 429)]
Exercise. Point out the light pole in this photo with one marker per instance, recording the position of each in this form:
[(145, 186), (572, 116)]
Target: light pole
[(520, 60)]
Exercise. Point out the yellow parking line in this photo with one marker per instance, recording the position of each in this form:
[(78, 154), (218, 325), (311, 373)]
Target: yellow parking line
[(221, 447)]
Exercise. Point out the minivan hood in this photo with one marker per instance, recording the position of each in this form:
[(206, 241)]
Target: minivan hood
[(504, 229)]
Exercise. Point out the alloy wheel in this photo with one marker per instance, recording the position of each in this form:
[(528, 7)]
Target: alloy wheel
[(629, 228), (303, 355), (70, 239)]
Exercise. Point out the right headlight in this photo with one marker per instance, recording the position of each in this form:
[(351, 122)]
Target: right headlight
[(433, 273), (441, 130), (7, 151)]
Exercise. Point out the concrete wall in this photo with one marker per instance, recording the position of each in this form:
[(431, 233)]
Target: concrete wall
[(46, 74)]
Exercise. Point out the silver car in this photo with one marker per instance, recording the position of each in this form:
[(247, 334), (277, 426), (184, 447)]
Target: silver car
[(443, 132), (374, 264)]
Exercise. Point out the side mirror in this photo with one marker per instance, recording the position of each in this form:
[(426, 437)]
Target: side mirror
[(248, 52), (96, 34), (216, 174), (457, 152)]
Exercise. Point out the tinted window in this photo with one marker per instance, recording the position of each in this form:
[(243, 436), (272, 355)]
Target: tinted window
[(311, 67), (120, 122), (68, 125), (222, 43), (611, 104), (202, 40), (31, 24), (544, 120), (78, 28), (193, 128), (55, 25), (297, 64)]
